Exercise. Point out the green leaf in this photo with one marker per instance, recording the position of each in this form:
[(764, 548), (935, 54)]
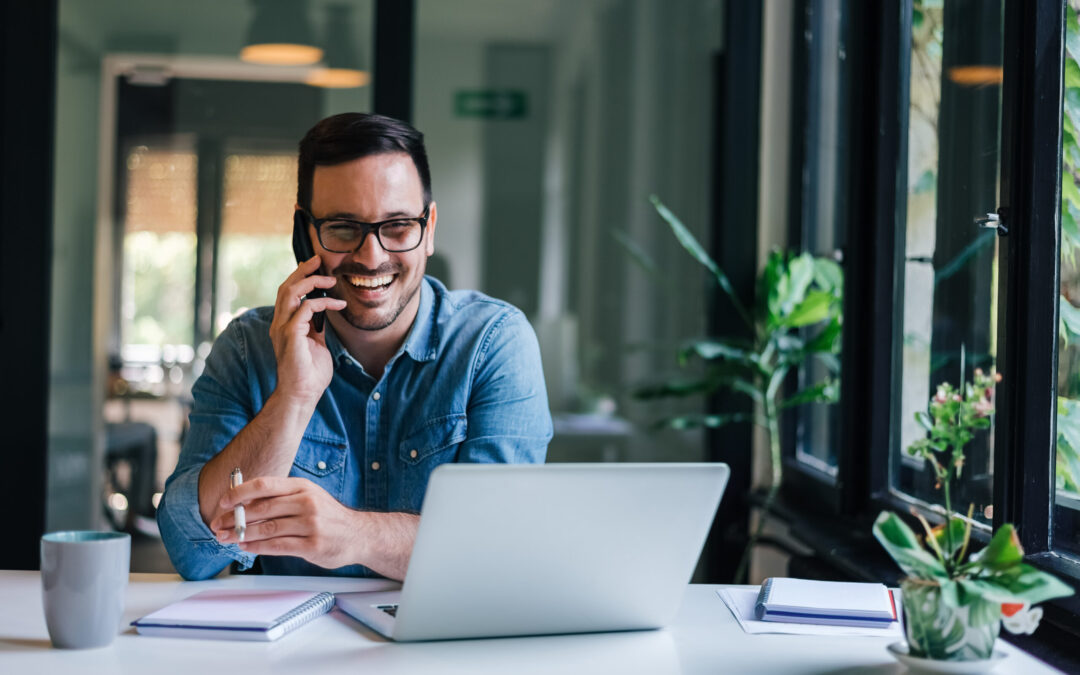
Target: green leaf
[(822, 392), (957, 527), (1002, 552), (1072, 35), (698, 252), (811, 310), (828, 340), (711, 350), (828, 275), (1072, 74), (904, 548), (709, 421), (1070, 317)]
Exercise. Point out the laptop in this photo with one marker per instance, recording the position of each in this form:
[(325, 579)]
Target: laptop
[(543, 549)]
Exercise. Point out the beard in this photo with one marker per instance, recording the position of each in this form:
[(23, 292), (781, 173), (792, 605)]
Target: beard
[(367, 318)]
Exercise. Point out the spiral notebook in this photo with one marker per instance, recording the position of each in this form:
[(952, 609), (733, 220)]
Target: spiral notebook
[(830, 603), (236, 614)]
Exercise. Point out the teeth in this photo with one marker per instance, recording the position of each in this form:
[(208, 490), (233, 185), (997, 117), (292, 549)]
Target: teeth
[(370, 282)]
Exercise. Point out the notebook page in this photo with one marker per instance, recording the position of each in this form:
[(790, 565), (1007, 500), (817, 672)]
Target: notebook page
[(231, 608), (852, 598)]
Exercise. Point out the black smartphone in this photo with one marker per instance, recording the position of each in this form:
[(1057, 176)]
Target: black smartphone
[(303, 250)]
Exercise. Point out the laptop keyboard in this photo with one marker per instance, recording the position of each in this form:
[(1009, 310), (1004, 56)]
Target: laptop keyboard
[(389, 609)]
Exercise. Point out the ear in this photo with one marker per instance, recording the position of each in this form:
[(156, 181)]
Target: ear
[(429, 236)]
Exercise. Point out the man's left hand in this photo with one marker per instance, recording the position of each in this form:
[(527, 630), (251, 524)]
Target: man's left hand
[(294, 517)]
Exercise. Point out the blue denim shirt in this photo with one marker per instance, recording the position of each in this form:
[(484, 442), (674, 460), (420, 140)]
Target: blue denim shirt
[(466, 386)]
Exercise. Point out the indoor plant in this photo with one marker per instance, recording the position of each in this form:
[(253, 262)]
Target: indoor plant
[(954, 599), (797, 317)]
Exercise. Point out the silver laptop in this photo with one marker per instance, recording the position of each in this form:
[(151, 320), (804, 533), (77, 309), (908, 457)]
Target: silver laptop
[(548, 548)]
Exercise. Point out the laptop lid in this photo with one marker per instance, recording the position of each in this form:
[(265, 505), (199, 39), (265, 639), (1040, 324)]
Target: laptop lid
[(555, 548)]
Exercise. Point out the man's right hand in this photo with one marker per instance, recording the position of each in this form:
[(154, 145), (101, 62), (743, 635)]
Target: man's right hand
[(304, 364)]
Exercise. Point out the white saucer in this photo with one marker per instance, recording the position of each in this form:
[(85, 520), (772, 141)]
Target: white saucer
[(920, 665)]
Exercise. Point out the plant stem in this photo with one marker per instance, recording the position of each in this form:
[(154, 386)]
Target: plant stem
[(948, 523), (774, 457)]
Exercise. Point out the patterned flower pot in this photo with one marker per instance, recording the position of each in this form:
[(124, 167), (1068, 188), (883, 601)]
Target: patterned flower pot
[(937, 631)]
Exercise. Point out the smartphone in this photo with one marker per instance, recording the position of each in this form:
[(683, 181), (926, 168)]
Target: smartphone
[(303, 250)]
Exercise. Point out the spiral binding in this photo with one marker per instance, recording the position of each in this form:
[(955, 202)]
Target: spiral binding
[(317, 606)]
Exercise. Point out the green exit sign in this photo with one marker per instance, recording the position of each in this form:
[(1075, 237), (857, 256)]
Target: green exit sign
[(496, 104)]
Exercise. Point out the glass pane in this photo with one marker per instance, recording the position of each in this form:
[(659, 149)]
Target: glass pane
[(1067, 480), (950, 271), (824, 201), (254, 250), (159, 250)]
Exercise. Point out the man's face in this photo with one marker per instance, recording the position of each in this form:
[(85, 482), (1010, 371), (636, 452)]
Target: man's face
[(378, 286)]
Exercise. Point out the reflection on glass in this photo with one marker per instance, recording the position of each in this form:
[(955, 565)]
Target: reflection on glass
[(950, 270), (254, 249), (159, 247), (1067, 478)]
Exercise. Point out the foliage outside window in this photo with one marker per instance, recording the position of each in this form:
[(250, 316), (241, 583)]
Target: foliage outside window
[(1068, 413)]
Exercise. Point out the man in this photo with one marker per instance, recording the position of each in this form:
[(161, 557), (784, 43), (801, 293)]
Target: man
[(337, 432)]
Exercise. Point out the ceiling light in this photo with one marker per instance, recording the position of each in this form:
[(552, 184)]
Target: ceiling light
[(344, 68), (280, 35)]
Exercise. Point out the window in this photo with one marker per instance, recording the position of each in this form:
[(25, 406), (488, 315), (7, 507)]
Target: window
[(949, 308)]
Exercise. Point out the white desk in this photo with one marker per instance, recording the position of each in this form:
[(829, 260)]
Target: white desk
[(704, 638)]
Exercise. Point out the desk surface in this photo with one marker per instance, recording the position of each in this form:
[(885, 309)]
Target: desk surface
[(704, 638)]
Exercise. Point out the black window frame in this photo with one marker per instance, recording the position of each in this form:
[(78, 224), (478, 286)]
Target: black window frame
[(1028, 259)]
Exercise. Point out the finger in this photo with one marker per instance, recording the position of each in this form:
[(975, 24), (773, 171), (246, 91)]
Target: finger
[(295, 546), (269, 529), (300, 323), (291, 292), (261, 488)]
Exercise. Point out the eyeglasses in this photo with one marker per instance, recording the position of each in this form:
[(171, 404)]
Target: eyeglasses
[(341, 235)]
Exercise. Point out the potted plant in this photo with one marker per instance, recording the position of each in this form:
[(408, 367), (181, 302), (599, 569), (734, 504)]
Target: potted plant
[(954, 598), (797, 317)]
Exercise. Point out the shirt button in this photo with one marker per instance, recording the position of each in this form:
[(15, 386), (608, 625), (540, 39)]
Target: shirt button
[(321, 465), (413, 454), (376, 396), (374, 466)]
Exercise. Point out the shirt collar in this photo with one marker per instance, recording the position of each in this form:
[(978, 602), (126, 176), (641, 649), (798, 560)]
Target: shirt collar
[(422, 342)]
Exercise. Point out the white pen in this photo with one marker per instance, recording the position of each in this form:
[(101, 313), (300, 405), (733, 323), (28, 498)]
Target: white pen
[(235, 480)]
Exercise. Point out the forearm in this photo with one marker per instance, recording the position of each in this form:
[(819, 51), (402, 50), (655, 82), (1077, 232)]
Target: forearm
[(386, 542), (265, 447)]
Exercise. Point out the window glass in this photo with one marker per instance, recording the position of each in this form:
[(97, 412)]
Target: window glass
[(254, 250), (159, 249), (950, 269), (1067, 479)]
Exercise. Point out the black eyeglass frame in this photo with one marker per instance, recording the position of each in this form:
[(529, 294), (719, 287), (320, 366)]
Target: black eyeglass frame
[(368, 228)]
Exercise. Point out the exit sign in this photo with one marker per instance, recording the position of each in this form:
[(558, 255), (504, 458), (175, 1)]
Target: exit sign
[(496, 104)]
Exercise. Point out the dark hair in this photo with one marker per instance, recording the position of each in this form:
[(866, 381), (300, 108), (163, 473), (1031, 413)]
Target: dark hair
[(348, 136)]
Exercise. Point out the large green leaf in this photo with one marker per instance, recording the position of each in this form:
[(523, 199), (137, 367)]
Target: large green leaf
[(904, 548), (822, 392), (1024, 583), (828, 340), (711, 350), (708, 421), (1070, 318), (698, 252), (1003, 551), (813, 308), (828, 275)]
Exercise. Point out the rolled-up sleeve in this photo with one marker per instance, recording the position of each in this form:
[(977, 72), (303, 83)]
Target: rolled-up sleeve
[(509, 418), (221, 409)]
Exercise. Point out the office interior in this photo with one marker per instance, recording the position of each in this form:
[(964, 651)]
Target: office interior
[(925, 147)]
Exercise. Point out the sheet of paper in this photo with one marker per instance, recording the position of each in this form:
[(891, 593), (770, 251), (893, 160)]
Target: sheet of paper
[(741, 603)]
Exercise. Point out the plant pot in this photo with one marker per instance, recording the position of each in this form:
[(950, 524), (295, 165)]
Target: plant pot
[(938, 631)]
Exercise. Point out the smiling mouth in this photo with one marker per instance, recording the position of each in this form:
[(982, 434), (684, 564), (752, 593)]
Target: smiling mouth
[(372, 283)]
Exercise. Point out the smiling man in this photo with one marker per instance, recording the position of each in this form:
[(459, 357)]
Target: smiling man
[(337, 431)]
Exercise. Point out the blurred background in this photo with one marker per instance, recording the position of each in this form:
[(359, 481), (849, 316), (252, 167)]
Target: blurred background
[(548, 124)]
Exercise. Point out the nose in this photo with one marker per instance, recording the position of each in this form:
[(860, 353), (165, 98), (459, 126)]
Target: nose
[(370, 254)]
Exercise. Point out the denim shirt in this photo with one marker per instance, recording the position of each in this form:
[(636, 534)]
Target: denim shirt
[(466, 386)]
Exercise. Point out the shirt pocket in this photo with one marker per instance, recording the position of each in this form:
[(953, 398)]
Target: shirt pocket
[(322, 461), (435, 442)]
